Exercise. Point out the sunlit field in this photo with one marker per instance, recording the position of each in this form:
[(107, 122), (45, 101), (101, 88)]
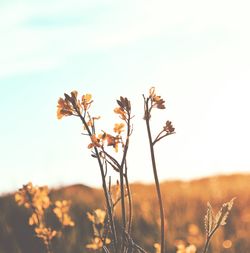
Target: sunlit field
[(185, 204)]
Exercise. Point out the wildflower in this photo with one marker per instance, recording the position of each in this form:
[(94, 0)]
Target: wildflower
[(157, 247), (157, 101), (118, 128), (95, 142), (64, 108), (86, 101), (41, 199), (61, 211), (35, 197), (24, 195), (121, 112), (113, 141), (34, 219), (97, 243), (124, 108), (97, 217), (46, 234)]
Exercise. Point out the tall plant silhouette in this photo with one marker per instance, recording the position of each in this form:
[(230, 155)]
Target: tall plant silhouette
[(150, 102)]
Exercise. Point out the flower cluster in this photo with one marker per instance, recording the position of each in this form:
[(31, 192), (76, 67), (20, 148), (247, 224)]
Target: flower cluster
[(97, 243), (37, 200), (46, 234), (123, 109), (113, 141), (97, 218), (71, 105), (152, 101), (33, 197), (156, 100)]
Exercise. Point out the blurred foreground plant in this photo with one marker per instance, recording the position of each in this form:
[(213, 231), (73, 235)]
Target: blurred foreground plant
[(37, 200)]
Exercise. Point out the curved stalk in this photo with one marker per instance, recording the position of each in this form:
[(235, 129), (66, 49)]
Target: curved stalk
[(158, 190), (130, 208)]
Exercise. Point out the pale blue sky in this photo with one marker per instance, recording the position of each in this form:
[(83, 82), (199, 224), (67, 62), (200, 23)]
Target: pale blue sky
[(196, 53)]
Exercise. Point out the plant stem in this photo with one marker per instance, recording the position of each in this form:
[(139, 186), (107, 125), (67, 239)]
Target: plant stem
[(104, 186), (48, 247), (130, 213), (209, 238), (122, 183), (206, 245), (156, 178)]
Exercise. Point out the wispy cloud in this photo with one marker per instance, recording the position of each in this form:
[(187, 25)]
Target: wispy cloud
[(51, 31)]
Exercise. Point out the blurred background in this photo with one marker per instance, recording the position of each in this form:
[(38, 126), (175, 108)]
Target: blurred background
[(195, 53)]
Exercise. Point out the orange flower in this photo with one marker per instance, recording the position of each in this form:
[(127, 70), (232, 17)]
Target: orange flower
[(95, 142), (86, 101), (118, 128), (158, 102), (64, 108), (113, 141), (97, 243), (121, 112)]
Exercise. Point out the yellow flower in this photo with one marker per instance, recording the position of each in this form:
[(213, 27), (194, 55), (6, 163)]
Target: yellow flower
[(40, 200), (46, 234), (157, 247), (121, 112), (118, 128), (61, 211), (86, 101), (98, 216), (97, 243), (35, 197), (33, 220)]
